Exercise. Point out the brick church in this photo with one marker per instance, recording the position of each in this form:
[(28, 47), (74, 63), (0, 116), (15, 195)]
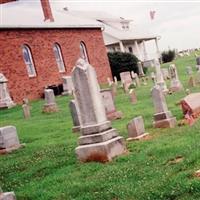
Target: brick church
[(39, 45)]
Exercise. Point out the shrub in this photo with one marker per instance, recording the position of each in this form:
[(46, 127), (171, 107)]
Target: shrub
[(121, 62), (168, 56)]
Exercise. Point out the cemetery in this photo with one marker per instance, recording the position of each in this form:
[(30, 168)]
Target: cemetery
[(105, 141)]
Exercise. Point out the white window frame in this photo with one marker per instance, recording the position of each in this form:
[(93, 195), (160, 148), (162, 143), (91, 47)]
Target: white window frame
[(83, 51), (58, 57), (28, 60)]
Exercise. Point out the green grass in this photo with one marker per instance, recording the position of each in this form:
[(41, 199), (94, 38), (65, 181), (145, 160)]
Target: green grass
[(47, 168)]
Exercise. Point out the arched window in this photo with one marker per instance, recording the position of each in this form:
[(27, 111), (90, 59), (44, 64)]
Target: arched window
[(83, 52), (28, 61), (58, 56)]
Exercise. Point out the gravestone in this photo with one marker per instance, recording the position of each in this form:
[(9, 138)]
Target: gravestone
[(165, 73), (140, 69), (111, 112), (189, 70), (135, 78), (50, 104), (67, 85), (162, 117), (5, 99), (26, 111), (126, 78), (7, 196), (9, 140), (175, 82), (136, 129), (98, 141), (133, 97), (109, 81), (115, 80), (75, 117), (159, 77)]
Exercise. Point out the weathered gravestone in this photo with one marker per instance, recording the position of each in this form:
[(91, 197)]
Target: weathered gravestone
[(135, 78), (98, 141), (50, 104), (136, 129), (191, 105), (26, 111), (7, 196), (115, 80), (109, 105), (162, 117), (5, 99), (133, 97), (159, 77), (175, 82), (75, 117), (9, 140), (165, 73), (126, 80), (140, 69), (67, 85)]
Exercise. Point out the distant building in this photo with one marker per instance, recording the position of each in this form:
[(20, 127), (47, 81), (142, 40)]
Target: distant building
[(39, 45)]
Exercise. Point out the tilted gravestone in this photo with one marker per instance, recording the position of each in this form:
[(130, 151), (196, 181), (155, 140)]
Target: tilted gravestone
[(175, 82), (163, 117), (109, 105), (75, 117), (136, 129), (9, 140), (67, 85), (5, 99), (98, 141), (7, 196), (50, 103)]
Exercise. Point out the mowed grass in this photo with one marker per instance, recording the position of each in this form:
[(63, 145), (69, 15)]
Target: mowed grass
[(47, 168)]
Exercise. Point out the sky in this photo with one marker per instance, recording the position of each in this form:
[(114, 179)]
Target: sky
[(177, 22)]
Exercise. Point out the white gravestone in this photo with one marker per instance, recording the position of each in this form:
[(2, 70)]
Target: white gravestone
[(109, 105), (5, 99), (159, 77), (67, 85), (50, 103), (175, 82), (126, 79), (133, 97), (98, 141), (75, 117), (162, 117)]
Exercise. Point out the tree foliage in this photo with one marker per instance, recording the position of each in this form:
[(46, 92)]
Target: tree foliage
[(168, 56)]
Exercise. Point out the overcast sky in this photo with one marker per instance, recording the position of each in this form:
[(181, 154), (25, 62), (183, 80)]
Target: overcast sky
[(178, 23)]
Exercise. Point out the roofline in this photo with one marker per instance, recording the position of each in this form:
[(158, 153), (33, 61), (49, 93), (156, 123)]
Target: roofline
[(49, 26)]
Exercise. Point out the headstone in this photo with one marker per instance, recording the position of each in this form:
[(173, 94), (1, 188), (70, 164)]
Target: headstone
[(9, 140), (136, 129), (98, 141), (115, 80), (133, 97), (140, 69), (165, 73), (159, 77), (109, 81), (126, 78), (111, 112), (26, 111), (7, 196), (75, 117), (50, 104), (5, 99), (175, 82), (135, 78), (67, 85), (191, 105), (162, 117), (189, 70), (191, 81)]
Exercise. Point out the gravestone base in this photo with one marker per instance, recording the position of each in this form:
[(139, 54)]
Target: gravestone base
[(7, 196), (50, 108), (101, 152), (114, 115), (164, 120), (11, 149), (140, 137), (76, 129), (7, 104)]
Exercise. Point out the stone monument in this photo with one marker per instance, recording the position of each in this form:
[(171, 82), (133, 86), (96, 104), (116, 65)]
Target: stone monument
[(133, 97), (98, 141), (111, 112), (136, 129), (7, 196), (163, 117), (75, 117), (67, 85), (175, 82), (140, 69), (5, 99), (50, 104)]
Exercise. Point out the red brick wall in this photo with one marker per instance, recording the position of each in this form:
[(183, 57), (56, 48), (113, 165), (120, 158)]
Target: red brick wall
[(41, 43), (6, 1)]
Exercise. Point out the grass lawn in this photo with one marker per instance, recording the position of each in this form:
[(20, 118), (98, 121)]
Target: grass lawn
[(47, 168)]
